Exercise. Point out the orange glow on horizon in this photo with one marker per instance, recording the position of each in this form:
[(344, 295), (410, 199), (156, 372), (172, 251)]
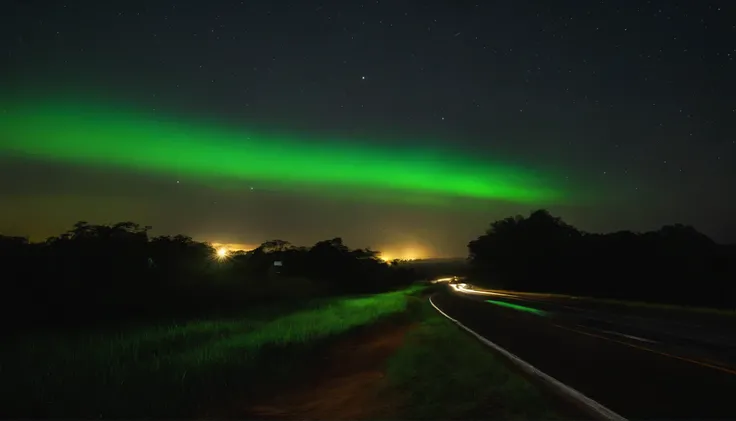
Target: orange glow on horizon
[(404, 253), (401, 252), (233, 247)]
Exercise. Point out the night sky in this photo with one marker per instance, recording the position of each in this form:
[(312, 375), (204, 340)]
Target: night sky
[(627, 109)]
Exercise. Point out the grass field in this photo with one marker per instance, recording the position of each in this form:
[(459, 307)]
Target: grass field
[(441, 372), (175, 370)]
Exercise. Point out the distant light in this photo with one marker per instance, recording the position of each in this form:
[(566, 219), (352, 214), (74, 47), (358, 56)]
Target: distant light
[(407, 254), (231, 247), (221, 253)]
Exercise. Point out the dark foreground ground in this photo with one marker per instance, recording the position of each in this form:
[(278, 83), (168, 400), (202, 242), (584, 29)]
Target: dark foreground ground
[(639, 367)]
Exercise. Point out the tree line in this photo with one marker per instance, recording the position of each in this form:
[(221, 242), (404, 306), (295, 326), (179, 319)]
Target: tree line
[(118, 272), (675, 264)]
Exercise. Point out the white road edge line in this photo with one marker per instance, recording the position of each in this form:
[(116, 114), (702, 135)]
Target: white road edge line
[(630, 336), (594, 406)]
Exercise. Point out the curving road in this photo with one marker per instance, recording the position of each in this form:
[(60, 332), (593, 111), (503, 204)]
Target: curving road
[(640, 366)]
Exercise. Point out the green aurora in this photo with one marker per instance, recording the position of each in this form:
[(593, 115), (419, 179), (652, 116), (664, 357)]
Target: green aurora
[(100, 134)]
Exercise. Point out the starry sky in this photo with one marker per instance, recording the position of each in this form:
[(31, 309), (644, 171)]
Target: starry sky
[(628, 107)]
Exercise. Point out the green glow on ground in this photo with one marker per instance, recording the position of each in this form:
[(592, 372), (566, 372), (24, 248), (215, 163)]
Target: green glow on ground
[(120, 375), (87, 133), (518, 307)]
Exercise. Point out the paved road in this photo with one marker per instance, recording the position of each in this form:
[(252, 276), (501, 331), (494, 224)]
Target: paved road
[(710, 320), (702, 336), (635, 376)]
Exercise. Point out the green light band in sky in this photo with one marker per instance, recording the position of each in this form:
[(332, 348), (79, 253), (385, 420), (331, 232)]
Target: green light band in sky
[(85, 133)]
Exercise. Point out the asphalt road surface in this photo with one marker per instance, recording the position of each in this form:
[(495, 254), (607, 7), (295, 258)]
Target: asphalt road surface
[(631, 368)]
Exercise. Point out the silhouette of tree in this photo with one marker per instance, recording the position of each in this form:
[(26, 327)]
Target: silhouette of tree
[(543, 253), (276, 246), (116, 273)]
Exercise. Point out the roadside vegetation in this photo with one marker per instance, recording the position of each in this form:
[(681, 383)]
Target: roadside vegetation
[(198, 367), (105, 321), (114, 275), (176, 370), (441, 372)]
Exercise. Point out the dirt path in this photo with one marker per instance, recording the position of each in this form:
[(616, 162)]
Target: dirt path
[(348, 385)]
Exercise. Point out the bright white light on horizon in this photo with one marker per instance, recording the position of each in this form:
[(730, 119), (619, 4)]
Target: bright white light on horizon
[(221, 253), (469, 289), (450, 279)]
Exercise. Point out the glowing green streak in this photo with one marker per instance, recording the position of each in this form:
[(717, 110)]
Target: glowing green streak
[(95, 134), (518, 307)]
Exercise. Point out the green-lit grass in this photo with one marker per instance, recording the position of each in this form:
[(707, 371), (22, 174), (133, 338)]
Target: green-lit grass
[(443, 373), (173, 371)]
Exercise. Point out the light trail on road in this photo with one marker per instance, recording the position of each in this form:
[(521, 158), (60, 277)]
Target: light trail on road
[(518, 307)]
